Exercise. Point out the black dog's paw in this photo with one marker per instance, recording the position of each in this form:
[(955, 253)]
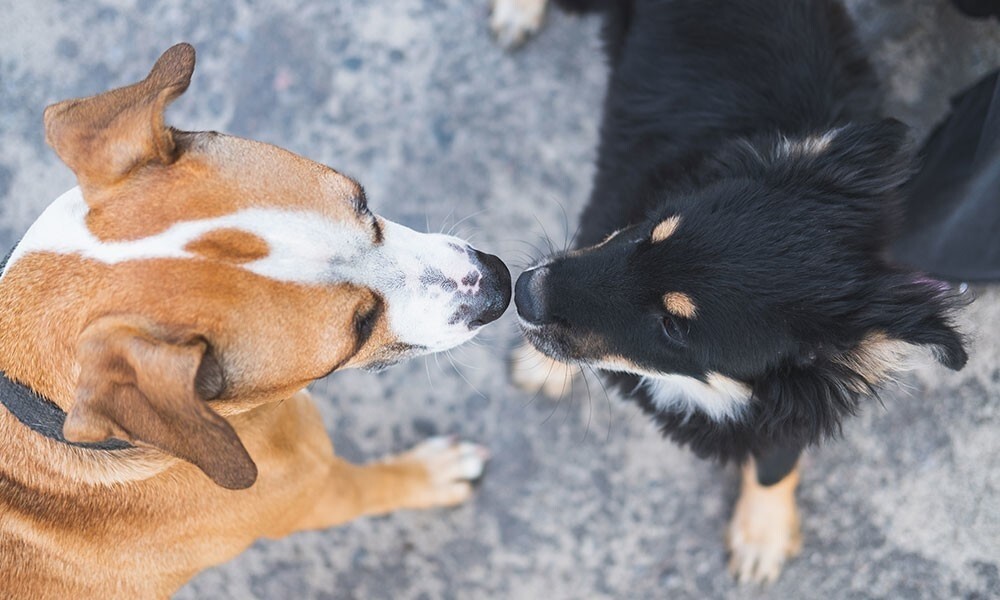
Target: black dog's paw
[(513, 21)]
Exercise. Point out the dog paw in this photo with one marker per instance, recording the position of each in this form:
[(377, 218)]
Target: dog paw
[(534, 372), (448, 468), (512, 21), (763, 534)]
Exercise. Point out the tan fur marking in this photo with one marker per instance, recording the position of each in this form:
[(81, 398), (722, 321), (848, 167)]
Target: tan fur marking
[(764, 531), (665, 229), (876, 358), (680, 304), (229, 245), (617, 361)]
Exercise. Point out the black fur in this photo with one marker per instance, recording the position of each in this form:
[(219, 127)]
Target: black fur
[(758, 124)]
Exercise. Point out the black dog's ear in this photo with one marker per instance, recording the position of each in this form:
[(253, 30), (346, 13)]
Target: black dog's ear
[(918, 310), (858, 160), (867, 160)]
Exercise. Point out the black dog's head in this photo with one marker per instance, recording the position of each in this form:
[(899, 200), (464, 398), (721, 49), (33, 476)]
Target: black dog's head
[(766, 277)]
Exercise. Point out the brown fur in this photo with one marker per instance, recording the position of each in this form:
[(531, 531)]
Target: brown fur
[(188, 359), (230, 245)]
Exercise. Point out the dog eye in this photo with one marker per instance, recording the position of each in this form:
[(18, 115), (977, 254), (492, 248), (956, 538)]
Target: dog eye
[(674, 330), (364, 322)]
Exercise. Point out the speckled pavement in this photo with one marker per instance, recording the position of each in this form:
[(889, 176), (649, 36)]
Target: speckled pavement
[(582, 500)]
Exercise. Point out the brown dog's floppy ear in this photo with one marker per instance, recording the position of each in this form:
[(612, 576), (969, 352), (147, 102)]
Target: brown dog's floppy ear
[(142, 387), (103, 137)]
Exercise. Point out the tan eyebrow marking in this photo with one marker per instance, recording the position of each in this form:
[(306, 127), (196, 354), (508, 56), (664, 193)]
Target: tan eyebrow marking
[(665, 229), (230, 245), (680, 304)]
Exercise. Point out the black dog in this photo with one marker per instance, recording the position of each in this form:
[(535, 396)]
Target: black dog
[(731, 269)]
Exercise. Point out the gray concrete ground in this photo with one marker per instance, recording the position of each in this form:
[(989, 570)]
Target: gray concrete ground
[(583, 499)]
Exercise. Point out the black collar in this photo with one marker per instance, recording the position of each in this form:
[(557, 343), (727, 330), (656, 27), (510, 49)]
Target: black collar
[(42, 415), (38, 412)]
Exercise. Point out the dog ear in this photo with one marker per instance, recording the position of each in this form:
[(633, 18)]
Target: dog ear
[(918, 310), (102, 138), (867, 160), (138, 386)]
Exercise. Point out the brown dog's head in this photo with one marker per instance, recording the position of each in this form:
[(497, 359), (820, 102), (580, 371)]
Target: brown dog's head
[(190, 267)]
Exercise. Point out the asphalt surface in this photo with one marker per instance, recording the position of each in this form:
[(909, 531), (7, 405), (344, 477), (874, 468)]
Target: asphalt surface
[(445, 130)]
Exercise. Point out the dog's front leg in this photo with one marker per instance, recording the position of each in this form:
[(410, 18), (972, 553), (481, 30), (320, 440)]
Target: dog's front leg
[(438, 472), (764, 531)]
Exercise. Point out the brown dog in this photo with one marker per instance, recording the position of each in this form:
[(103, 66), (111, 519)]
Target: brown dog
[(159, 325)]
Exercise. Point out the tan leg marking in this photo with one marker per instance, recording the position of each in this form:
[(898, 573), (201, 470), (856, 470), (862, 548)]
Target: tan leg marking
[(764, 531), (512, 21), (532, 371)]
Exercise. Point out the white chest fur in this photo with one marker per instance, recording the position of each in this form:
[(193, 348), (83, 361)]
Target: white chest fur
[(720, 398)]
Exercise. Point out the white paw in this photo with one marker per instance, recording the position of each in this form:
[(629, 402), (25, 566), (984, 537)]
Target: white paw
[(512, 21), (763, 534), (534, 372), (451, 466)]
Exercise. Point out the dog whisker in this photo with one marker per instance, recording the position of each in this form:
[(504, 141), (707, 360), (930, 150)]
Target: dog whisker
[(606, 397), (454, 359), (572, 240), (565, 214), (466, 379), (562, 393), (548, 239), (531, 245), (444, 222), (541, 387), (427, 368), (466, 218), (571, 398), (590, 403)]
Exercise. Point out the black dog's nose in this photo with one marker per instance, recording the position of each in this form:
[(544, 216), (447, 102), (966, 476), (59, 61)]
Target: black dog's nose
[(495, 285), (529, 295)]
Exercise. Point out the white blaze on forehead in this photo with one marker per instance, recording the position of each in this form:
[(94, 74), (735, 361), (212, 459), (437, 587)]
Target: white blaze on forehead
[(301, 244), (423, 277)]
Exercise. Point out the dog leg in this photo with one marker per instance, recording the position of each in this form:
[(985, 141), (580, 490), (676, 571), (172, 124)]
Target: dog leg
[(534, 372), (437, 472), (764, 531), (512, 21)]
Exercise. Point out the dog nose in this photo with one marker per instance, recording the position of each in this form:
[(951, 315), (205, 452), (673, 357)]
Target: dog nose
[(495, 285), (529, 295)]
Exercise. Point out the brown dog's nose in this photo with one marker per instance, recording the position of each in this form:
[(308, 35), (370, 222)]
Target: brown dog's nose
[(495, 286), (529, 295)]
